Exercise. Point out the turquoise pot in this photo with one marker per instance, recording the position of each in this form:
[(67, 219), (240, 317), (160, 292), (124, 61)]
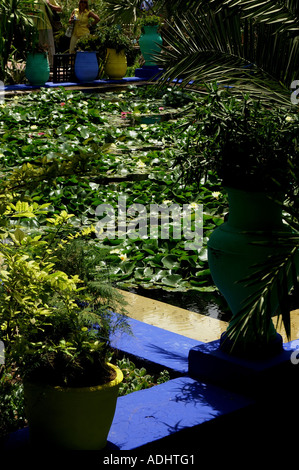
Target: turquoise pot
[(86, 66), (232, 256), (150, 43), (37, 68)]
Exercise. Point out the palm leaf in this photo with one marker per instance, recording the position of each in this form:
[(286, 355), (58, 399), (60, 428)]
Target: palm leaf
[(276, 277), (123, 11), (14, 15), (126, 11), (210, 47), (282, 13)]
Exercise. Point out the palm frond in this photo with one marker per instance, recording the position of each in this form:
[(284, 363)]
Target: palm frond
[(283, 14), (220, 47), (15, 15), (275, 278), (125, 11)]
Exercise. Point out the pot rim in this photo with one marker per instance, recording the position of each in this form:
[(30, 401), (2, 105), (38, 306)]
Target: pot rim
[(93, 388)]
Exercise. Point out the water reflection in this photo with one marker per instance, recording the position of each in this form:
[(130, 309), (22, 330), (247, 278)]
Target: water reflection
[(162, 312), (209, 304)]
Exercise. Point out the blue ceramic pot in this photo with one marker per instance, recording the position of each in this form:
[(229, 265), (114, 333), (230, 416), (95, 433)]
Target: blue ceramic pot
[(86, 66)]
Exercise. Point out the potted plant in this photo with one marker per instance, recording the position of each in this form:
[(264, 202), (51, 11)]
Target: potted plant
[(86, 61), (253, 149), (150, 41), (17, 20), (117, 45), (37, 69), (55, 323)]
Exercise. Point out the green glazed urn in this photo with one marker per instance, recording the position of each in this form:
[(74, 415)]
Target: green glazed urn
[(37, 68), (235, 248), (150, 43)]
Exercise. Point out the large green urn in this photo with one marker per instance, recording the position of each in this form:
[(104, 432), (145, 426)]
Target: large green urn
[(150, 43), (37, 68), (235, 249)]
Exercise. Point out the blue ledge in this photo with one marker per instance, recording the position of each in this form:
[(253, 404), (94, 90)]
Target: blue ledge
[(187, 413), (148, 72), (24, 87), (168, 410), (209, 363), (160, 347), (157, 417)]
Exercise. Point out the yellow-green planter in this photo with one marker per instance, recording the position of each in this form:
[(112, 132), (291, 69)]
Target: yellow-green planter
[(115, 64), (71, 418)]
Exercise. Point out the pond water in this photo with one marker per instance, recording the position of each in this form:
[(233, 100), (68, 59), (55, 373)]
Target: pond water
[(125, 144), (210, 305), (204, 303)]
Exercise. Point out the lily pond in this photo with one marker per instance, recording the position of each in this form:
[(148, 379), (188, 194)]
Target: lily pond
[(80, 151)]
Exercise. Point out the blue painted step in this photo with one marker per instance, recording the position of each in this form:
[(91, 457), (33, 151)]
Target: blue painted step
[(162, 414), (255, 378), (150, 416), (155, 345), (27, 87)]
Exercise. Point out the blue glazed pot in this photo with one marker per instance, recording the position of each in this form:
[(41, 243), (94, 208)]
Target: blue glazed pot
[(150, 43), (37, 68), (86, 66)]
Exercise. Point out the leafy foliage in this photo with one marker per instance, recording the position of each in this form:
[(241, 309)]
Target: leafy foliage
[(54, 325), (138, 378), (16, 21), (250, 146), (64, 147), (12, 412), (114, 38), (251, 45), (103, 38), (77, 151)]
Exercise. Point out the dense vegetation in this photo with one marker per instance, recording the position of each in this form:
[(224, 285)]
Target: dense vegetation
[(76, 151)]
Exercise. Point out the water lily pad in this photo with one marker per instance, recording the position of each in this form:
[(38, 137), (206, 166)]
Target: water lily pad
[(170, 261), (172, 280)]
